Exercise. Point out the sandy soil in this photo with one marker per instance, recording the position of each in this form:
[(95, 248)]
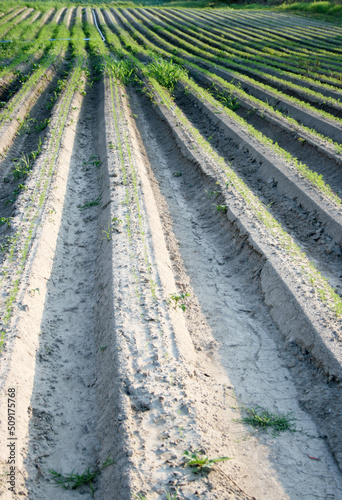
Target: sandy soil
[(108, 374)]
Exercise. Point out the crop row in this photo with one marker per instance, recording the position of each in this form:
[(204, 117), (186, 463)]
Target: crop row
[(218, 93), (35, 168)]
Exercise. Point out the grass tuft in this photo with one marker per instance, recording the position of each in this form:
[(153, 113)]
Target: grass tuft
[(72, 481), (167, 73), (123, 71), (260, 418)]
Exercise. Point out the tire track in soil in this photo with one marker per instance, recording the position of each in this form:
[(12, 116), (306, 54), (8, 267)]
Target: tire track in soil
[(247, 347), (62, 433)]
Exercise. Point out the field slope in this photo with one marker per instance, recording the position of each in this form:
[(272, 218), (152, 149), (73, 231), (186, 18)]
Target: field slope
[(171, 243)]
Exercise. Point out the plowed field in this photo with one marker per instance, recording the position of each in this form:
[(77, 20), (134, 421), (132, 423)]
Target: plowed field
[(171, 243)]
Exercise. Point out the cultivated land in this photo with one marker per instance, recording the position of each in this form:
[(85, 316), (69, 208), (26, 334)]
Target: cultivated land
[(171, 242)]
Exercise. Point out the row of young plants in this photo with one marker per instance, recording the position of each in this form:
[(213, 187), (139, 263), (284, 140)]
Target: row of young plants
[(161, 96), (21, 238), (235, 34), (234, 45), (7, 25), (294, 27), (179, 39), (237, 52), (199, 64), (263, 65), (156, 336), (32, 50), (294, 37), (53, 55), (310, 175)]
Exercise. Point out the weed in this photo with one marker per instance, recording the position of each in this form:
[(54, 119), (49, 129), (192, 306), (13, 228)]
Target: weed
[(221, 208), (72, 481), (177, 174), (166, 73), (201, 463), (177, 300), (5, 220), (212, 193), (260, 418), (43, 124), (123, 70), (93, 161), (227, 99), (22, 168), (112, 224), (91, 203)]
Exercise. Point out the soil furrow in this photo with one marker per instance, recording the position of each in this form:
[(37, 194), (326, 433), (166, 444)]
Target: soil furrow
[(291, 210), (220, 268), (169, 267), (303, 147), (299, 112)]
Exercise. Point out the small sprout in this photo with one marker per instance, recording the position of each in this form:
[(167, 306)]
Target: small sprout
[(5, 220), (112, 224), (177, 174), (103, 348), (212, 193), (170, 496), (201, 463), (177, 300), (91, 203), (221, 208)]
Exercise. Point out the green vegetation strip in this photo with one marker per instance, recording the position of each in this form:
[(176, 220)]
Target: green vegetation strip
[(235, 90), (53, 54), (205, 49), (21, 240), (319, 284), (314, 178)]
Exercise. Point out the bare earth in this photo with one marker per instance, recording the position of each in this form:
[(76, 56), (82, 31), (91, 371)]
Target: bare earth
[(106, 368)]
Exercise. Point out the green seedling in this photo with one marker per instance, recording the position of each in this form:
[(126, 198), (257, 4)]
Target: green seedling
[(15, 194), (5, 220), (201, 463), (177, 174), (23, 167), (212, 193), (225, 98), (112, 225), (177, 300), (92, 203), (73, 481), (43, 124), (221, 208), (262, 419)]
